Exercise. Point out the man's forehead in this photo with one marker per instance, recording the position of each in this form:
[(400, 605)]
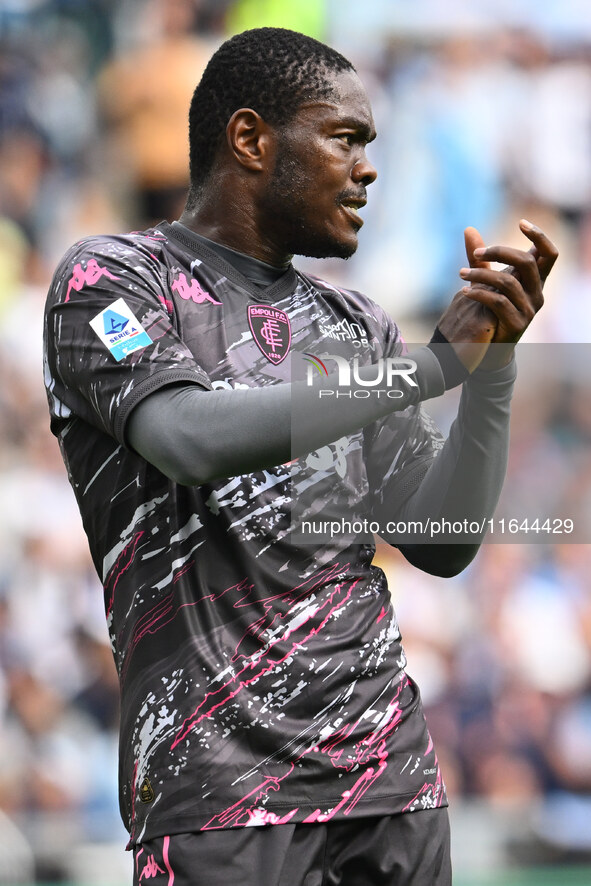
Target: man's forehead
[(346, 102)]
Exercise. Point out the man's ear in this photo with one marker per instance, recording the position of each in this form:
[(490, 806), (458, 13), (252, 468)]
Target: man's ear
[(249, 139)]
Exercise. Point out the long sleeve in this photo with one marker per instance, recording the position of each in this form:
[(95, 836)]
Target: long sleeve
[(463, 482), (194, 436)]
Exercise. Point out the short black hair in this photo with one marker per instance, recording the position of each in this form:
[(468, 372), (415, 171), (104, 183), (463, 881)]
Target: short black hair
[(271, 70)]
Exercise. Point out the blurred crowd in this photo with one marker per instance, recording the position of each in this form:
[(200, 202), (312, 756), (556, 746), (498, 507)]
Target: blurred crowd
[(477, 125)]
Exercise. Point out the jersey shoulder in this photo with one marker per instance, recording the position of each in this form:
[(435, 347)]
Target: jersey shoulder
[(137, 256), (144, 244)]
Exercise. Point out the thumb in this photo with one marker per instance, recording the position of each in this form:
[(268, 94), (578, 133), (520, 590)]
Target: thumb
[(473, 240)]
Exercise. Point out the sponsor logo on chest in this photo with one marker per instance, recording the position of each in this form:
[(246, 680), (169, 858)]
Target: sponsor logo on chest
[(346, 331)]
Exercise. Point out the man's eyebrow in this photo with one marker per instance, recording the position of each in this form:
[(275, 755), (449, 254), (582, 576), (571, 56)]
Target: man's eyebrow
[(365, 129)]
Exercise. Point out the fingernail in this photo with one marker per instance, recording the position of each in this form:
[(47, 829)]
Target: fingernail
[(464, 272), (526, 224), (480, 251)]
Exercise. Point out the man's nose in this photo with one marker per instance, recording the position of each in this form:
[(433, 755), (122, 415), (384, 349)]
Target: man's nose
[(364, 172)]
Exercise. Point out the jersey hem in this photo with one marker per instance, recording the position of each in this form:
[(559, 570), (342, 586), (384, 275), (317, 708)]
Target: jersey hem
[(363, 809)]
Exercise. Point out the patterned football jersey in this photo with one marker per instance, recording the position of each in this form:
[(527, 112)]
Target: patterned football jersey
[(262, 680)]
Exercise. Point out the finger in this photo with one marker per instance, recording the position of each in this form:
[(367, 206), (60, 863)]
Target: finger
[(543, 249), (511, 322), (473, 240), (511, 287), (523, 265)]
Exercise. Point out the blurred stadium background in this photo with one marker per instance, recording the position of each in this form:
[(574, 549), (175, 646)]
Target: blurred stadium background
[(484, 116)]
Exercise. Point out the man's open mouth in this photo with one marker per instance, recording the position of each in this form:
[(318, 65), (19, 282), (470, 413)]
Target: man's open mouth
[(352, 208)]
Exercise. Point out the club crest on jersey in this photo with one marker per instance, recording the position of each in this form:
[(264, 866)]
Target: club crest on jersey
[(271, 331)]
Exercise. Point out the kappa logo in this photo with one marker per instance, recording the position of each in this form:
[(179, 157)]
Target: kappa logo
[(88, 276), (193, 291), (151, 869), (271, 331), (147, 868)]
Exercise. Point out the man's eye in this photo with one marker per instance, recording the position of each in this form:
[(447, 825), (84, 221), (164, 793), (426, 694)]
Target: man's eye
[(347, 137)]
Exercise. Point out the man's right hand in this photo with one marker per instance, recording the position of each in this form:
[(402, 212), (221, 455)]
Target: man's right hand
[(498, 305)]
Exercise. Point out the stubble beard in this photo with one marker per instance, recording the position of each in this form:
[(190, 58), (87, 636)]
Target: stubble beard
[(284, 203)]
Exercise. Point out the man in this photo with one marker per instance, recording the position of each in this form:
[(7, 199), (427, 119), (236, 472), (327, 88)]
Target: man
[(269, 731)]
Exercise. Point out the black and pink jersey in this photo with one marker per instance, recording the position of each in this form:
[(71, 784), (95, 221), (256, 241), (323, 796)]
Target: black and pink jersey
[(262, 680)]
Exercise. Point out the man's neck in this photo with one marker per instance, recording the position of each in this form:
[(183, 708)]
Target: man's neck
[(235, 230), (258, 272)]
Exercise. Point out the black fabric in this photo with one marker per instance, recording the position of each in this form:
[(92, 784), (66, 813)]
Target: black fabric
[(393, 850), (454, 371)]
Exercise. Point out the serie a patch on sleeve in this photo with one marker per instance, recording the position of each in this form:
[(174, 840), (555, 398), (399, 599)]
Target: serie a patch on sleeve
[(119, 330)]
